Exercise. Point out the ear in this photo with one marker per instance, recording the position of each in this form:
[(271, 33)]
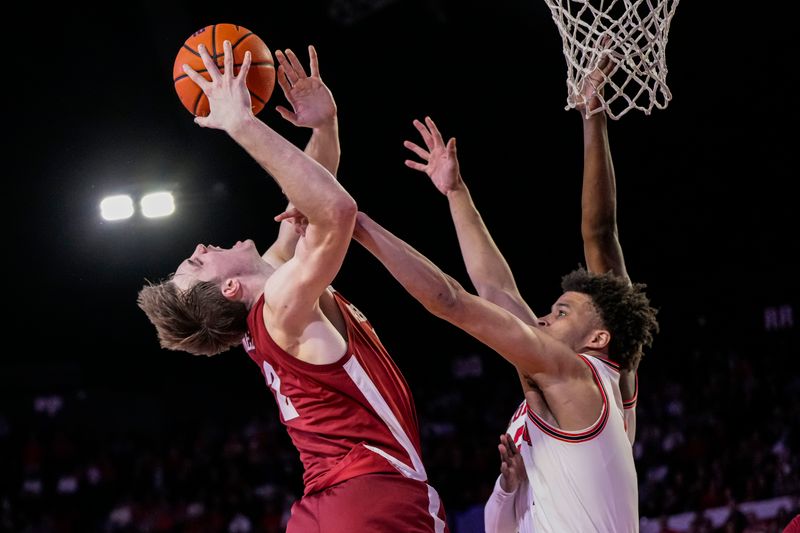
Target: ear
[(232, 289), (599, 339)]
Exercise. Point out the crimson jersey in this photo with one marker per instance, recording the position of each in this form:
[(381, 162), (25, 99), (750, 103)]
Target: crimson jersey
[(352, 417)]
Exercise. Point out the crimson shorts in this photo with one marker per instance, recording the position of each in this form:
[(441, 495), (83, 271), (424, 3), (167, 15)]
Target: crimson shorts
[(374, 503)]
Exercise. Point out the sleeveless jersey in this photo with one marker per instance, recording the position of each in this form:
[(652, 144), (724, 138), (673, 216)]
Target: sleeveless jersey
[(523, 497), (352, 417), (584, 480)]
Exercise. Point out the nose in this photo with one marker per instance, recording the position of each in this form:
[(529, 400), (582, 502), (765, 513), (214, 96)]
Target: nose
[(201, 249), (542, 323)]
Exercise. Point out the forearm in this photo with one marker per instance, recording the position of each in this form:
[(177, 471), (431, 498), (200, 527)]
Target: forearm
[(599, 200), (499, 515), (485, 264), (419, 277), (306, 183), (324, 147), (284, 246)]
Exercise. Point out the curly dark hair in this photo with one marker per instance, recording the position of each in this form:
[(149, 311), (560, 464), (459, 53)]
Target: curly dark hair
[(200, 320), (624, 309)]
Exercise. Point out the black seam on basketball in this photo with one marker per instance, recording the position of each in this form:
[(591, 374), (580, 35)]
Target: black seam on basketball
[(214, 42), (241, 39), (197, 102), (179, 78), (254, 95), (190, 50)]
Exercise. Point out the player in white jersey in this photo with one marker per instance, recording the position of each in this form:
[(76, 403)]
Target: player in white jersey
[(510, 506), (575, 407), (599, 316)]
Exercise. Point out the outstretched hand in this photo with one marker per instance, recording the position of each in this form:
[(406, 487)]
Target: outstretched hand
[(440, 159), (228, 96), (312, 103), (512, 468), (592, 87)]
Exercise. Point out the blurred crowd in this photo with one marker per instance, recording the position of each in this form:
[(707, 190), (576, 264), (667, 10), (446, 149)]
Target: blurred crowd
[(716, 427)]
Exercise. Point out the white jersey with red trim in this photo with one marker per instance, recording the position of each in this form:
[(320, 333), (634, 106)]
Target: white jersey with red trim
[(585, 480), (513, 512)]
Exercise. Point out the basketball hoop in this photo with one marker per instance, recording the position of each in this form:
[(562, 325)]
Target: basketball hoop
[(633, 34)]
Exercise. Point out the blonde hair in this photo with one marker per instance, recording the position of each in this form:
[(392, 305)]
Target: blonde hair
[(199, 320)]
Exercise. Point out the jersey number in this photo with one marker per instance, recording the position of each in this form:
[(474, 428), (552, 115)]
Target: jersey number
[(284, 403)]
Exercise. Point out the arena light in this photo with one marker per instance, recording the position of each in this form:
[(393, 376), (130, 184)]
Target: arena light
[(116, 207), (157, 204)]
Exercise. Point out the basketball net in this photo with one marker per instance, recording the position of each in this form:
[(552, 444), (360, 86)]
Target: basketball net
[(633, 34)]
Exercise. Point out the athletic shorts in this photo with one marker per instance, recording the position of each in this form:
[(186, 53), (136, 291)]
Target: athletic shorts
[(374, 503)]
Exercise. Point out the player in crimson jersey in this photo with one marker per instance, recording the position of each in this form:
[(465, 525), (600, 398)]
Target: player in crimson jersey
[(344, 402)]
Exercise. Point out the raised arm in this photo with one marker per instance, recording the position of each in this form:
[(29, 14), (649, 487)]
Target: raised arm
[(307, 184), (548, 362), (313, 107), (601, 246), (532, 351), (486, 266)]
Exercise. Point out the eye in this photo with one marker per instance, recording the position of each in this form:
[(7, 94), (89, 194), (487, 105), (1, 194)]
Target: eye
[(561, 313)]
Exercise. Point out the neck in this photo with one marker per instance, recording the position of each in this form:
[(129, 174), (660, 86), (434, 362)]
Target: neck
[(253, 285)]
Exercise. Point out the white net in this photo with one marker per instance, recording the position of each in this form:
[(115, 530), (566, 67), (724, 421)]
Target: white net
[(633, 34)]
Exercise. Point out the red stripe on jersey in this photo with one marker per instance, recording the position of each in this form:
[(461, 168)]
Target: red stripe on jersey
[(608, 362), (629, 404), (579, 436)]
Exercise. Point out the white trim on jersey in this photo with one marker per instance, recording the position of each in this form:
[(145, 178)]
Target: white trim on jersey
[(377, 401), (434, 503)]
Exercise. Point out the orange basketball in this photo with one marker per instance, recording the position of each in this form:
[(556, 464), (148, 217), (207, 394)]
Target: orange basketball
[(260, 79)]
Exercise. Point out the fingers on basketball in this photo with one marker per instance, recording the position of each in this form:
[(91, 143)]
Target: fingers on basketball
[(260, 76)]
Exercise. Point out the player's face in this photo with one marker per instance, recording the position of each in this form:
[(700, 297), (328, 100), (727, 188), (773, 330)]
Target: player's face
[(571, 319), (212, 263)]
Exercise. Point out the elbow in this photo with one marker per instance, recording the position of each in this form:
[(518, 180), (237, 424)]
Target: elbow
[(600, 232), (343, 211), (494, 292), (446, 301)]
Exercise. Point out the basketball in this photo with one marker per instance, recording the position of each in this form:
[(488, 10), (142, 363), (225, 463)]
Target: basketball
[(260, 78)]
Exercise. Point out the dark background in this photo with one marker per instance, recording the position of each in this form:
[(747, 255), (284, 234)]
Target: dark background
[(706, 194)]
